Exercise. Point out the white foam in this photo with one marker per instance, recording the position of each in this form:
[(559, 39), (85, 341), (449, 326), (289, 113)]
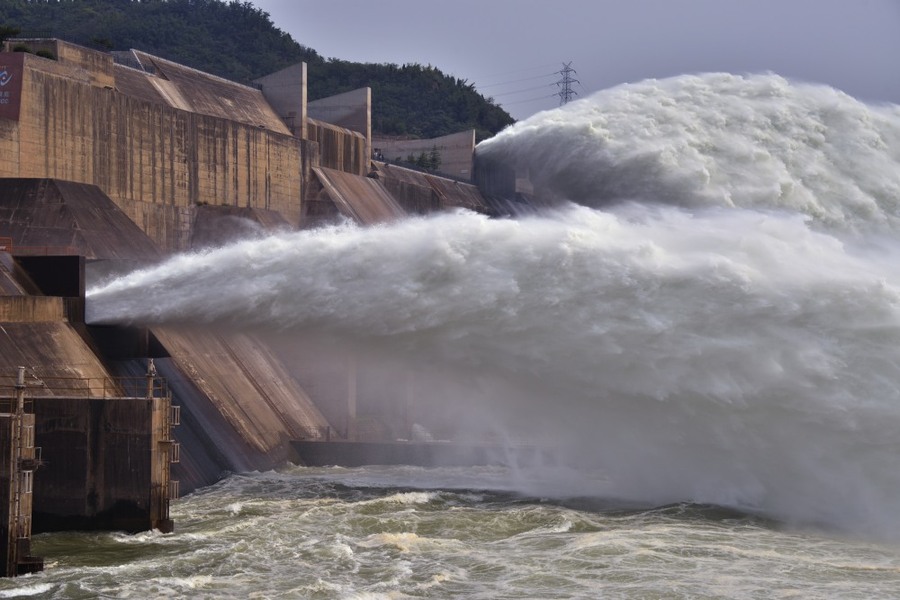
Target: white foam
[(718, 140), (27, 590)]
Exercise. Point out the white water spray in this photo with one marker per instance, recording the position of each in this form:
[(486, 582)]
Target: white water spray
[(718, 140), (727, 330)]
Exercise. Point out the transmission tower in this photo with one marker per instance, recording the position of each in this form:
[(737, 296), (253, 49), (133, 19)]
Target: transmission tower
[(566, 92)]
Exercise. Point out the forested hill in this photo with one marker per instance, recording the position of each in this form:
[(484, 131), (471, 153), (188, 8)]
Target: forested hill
[(238, 41)]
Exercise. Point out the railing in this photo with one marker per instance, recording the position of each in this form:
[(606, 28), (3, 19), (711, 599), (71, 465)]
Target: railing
[(90, 387), (414, 167), (7, 245), (33, 34), (8, 405), (45, 251)]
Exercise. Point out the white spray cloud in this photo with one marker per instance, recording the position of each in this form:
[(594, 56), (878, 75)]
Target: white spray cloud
[(741, 346), (718, 140)]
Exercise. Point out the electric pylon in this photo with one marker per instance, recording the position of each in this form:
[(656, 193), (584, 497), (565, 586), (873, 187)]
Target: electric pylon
[(566, 92)]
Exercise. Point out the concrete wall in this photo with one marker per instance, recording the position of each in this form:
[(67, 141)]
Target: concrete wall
[(82, 63), (154, 161), (13, 280), (46, 216), (456, 150), (240, 406), (362, 199), (286, 92), (351, 110), (103, 468), (339, 148), (421, 193), (163, 139), (57, 357), (221, 225), (200, 93), (31, 309)]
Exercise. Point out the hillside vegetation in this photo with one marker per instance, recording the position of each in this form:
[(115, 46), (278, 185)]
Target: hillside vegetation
[(238, 41)]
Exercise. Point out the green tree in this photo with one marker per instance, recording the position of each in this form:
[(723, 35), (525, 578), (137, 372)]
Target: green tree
[(434, 158), (7, 32)]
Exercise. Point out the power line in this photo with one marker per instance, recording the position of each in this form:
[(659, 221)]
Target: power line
[(516, 80), (517, 71), (566, 91), (566, 85), (536, 87), (529, 100)]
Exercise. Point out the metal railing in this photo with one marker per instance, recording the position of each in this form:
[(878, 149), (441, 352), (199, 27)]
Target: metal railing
[(8, 404), (7, 245), (414, 167), (89, 387), (45, 251), (33, 34)]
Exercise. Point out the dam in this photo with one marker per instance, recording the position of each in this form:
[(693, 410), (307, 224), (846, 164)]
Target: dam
[(111, 162)]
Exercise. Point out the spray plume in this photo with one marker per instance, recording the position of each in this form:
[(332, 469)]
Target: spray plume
[(725, 330)]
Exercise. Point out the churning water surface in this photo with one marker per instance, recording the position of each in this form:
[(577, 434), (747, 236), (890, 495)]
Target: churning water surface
[(365, 533)]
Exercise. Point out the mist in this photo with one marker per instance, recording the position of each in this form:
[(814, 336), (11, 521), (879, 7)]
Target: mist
[(714, 318)]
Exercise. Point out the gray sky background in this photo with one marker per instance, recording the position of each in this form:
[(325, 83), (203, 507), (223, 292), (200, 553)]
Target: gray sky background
[(511, 49)]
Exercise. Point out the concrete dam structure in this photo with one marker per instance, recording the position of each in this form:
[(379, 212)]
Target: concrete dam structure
[(110, 162)]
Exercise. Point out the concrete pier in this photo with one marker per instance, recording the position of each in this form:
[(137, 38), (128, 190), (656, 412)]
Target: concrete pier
[(106, 449)]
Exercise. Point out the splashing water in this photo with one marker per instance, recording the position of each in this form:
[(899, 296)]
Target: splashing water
[(719, 140), (718, 322)]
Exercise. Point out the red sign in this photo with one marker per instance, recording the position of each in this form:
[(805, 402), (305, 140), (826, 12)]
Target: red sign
[(11, 70)]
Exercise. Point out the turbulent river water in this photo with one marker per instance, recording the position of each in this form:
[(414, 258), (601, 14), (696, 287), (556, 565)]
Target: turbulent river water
[(706, 330), (401, 532)]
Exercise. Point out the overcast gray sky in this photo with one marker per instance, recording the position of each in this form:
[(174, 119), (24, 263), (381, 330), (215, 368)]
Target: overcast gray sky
[(511, 49)]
